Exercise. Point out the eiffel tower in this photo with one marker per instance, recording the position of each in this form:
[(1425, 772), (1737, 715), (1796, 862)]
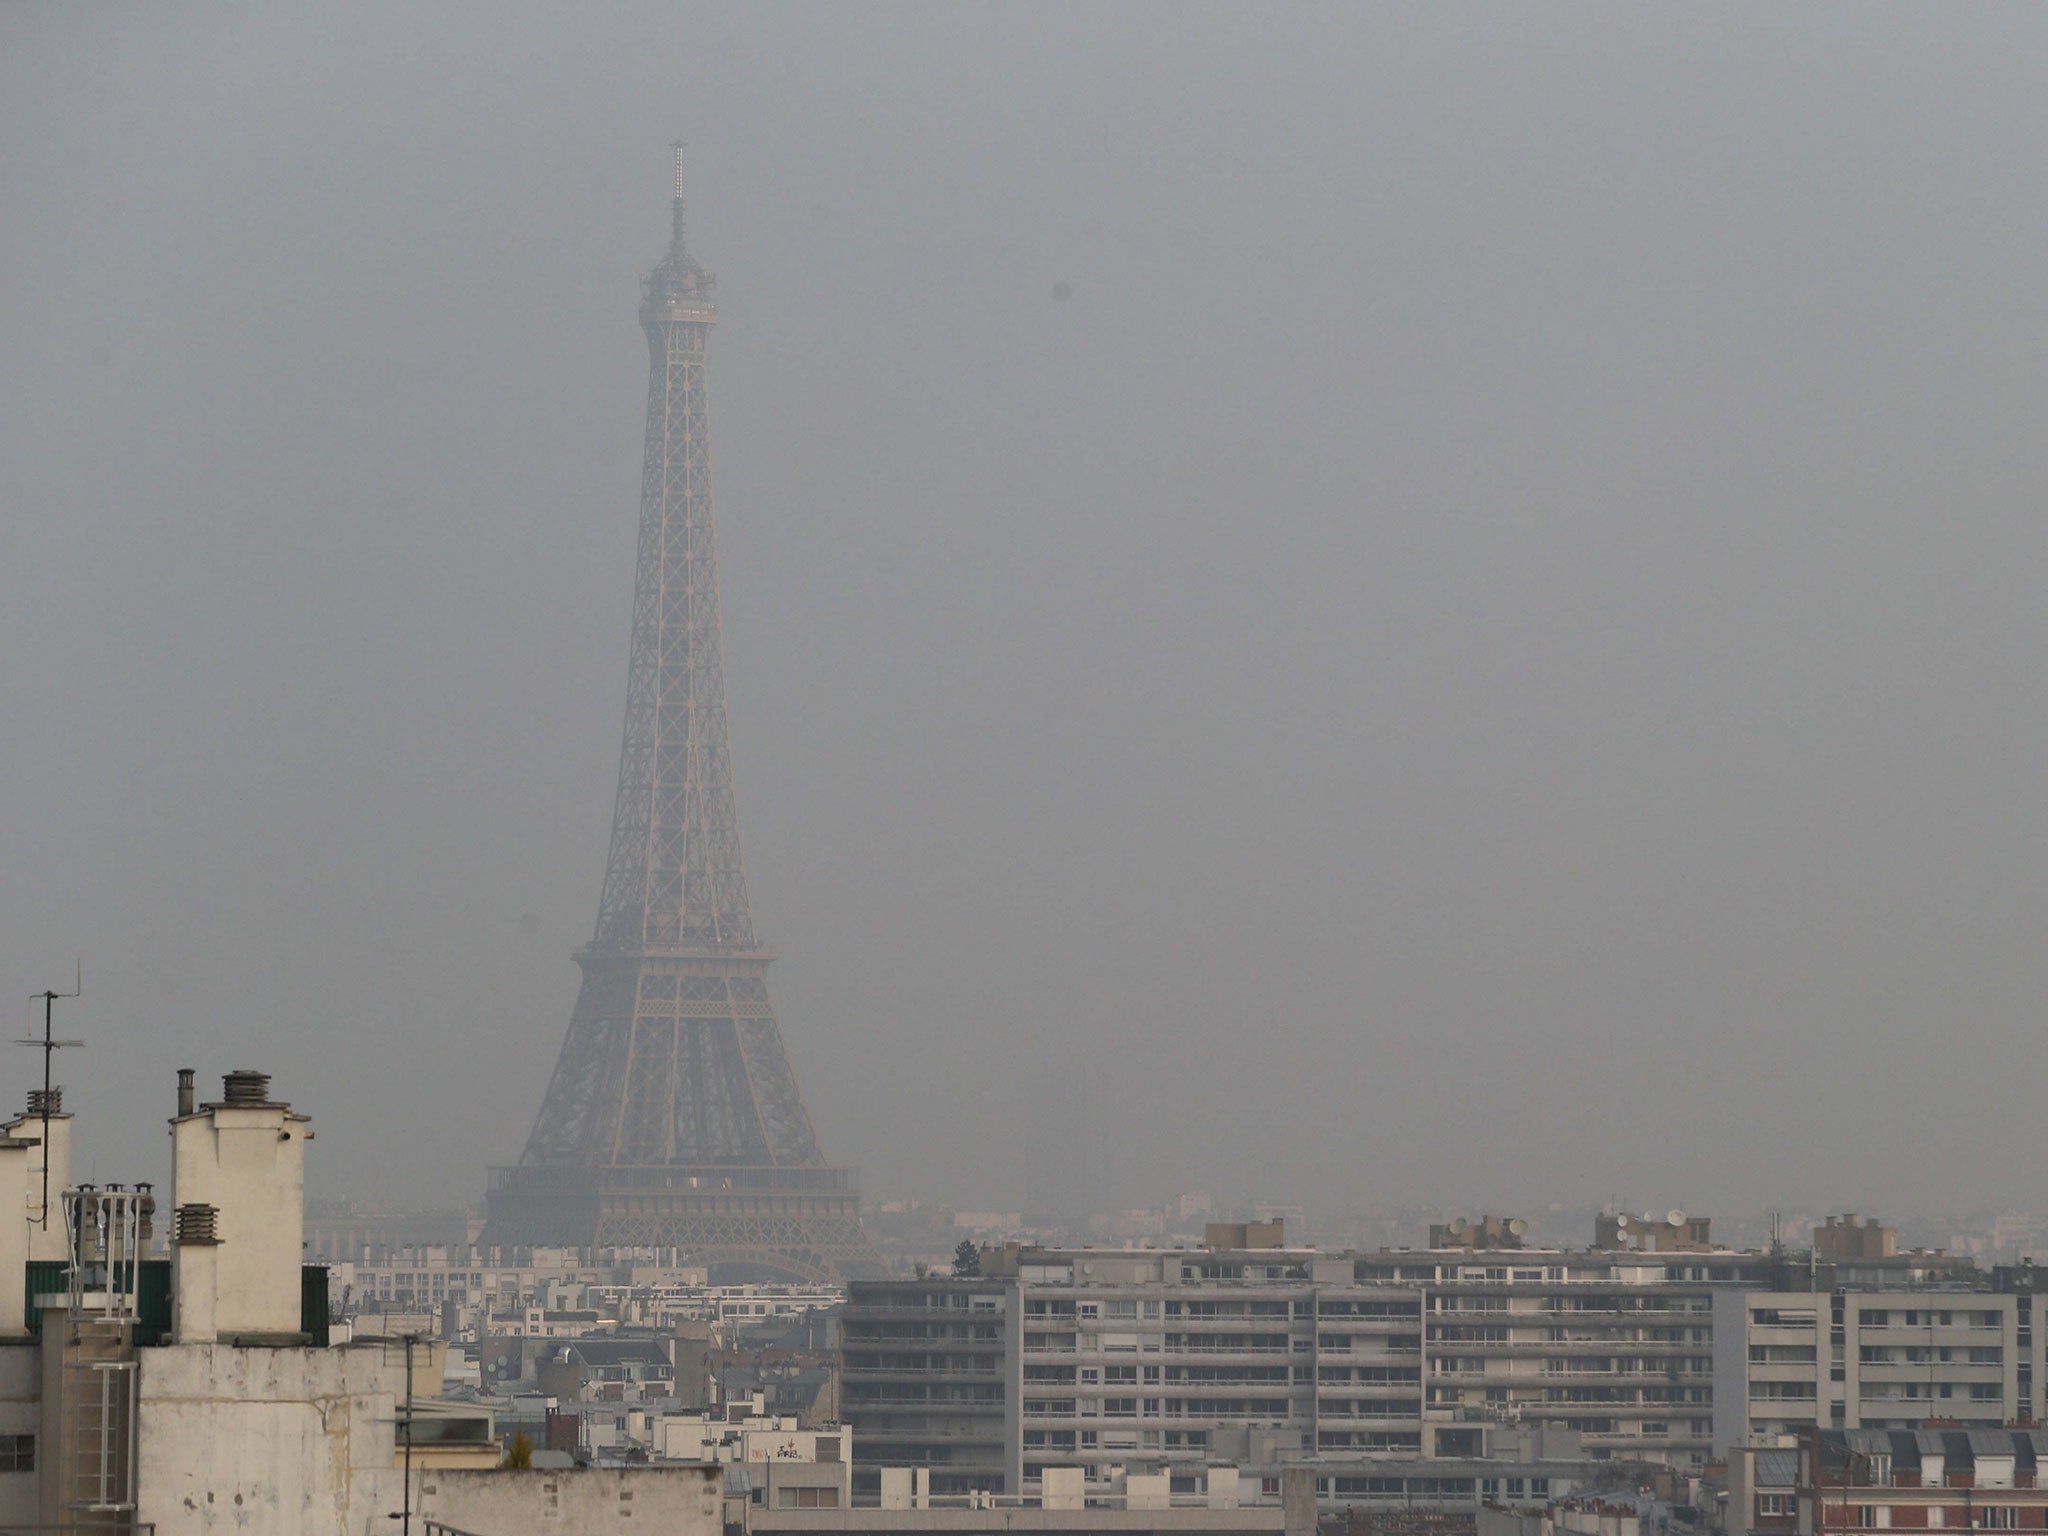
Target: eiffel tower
[(673, 1118)]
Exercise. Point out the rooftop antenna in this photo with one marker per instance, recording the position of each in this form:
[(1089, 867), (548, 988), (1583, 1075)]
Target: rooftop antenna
[(49, 1046), (676, 236)]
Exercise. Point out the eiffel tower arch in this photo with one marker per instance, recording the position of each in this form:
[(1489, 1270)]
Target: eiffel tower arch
[(673, 1117)]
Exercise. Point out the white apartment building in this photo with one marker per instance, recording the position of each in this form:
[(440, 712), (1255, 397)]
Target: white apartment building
[(1122, 1361), (1871, 1360)]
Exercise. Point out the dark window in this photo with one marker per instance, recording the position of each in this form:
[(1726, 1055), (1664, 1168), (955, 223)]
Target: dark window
[(17, 1453)]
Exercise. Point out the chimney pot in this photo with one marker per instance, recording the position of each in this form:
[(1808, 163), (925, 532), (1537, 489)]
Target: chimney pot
[(185, 1094)]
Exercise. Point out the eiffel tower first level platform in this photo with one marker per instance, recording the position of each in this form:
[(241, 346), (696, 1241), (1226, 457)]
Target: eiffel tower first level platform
[(673, 1117), (742, 1222), (674, 1121)]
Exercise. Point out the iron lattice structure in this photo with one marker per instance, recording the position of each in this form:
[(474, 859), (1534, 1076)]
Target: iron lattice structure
[(673, 1117)]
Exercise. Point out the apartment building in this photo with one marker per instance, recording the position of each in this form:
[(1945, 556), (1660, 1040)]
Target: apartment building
[(1945, 1477), (931, 1377), (1250, 1352), (1880, 1360), (1614, 1342)]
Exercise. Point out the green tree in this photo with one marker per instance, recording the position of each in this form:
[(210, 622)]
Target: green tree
[(966, 1259), (519, 1453)]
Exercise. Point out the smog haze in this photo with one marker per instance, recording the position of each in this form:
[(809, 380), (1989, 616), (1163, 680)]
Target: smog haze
[(1363, 605)]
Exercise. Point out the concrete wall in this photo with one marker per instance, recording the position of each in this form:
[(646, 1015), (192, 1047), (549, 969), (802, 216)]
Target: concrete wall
[(585, 1501), (268, 1442), (1731, 1369)]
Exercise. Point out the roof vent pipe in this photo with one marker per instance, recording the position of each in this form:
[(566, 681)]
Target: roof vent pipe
[(185, 1094), (38, 1100), (245, 1088)]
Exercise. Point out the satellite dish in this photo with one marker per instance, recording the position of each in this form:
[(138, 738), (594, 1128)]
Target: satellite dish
[(1675, 1217), (1518, 1226), (1460, 1226), (1648, 1219), (1621, 1221)]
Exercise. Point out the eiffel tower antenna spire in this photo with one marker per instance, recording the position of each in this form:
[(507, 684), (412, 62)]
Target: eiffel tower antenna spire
[(675, 243), (673, 1117)]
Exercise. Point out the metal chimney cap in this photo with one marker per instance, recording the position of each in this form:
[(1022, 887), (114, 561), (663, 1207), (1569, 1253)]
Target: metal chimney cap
[(245, 1088)]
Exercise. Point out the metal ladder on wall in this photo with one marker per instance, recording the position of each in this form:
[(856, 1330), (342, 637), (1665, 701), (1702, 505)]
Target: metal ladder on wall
[(101, 1432), (108, 1234)]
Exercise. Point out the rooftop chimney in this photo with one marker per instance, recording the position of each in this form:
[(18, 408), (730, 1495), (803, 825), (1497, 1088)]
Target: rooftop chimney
[(238, 1183), (185, 1094), (20, 1190), (47, 1128)]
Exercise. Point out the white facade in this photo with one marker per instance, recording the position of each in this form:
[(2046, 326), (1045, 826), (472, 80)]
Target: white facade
[(1870, 1360), (1115, 1359), (758, 1437)]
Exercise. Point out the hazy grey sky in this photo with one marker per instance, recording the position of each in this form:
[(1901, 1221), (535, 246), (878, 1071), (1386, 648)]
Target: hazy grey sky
[(1491, 649)]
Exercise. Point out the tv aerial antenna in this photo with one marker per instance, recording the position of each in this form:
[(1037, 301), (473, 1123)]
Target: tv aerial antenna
[(49, 1045)]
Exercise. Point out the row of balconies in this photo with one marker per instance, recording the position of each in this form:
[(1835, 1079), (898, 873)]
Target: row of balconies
[(908, 1309), (862, 1329), (1610, 1339), (1553, 1378), (893, 1434), (900, 1372)]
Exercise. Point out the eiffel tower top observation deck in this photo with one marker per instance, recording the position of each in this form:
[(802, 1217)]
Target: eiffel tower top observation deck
[(673, 1116)]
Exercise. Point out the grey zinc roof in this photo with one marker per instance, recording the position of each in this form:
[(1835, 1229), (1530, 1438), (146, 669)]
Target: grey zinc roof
[(1868, 1442), (1777, 1468), (615, 1351), (2030, 1449)]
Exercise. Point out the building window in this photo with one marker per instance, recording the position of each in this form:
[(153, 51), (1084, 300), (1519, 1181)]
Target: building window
[(1998, 1517), (17, 1453), (807, 1498)]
